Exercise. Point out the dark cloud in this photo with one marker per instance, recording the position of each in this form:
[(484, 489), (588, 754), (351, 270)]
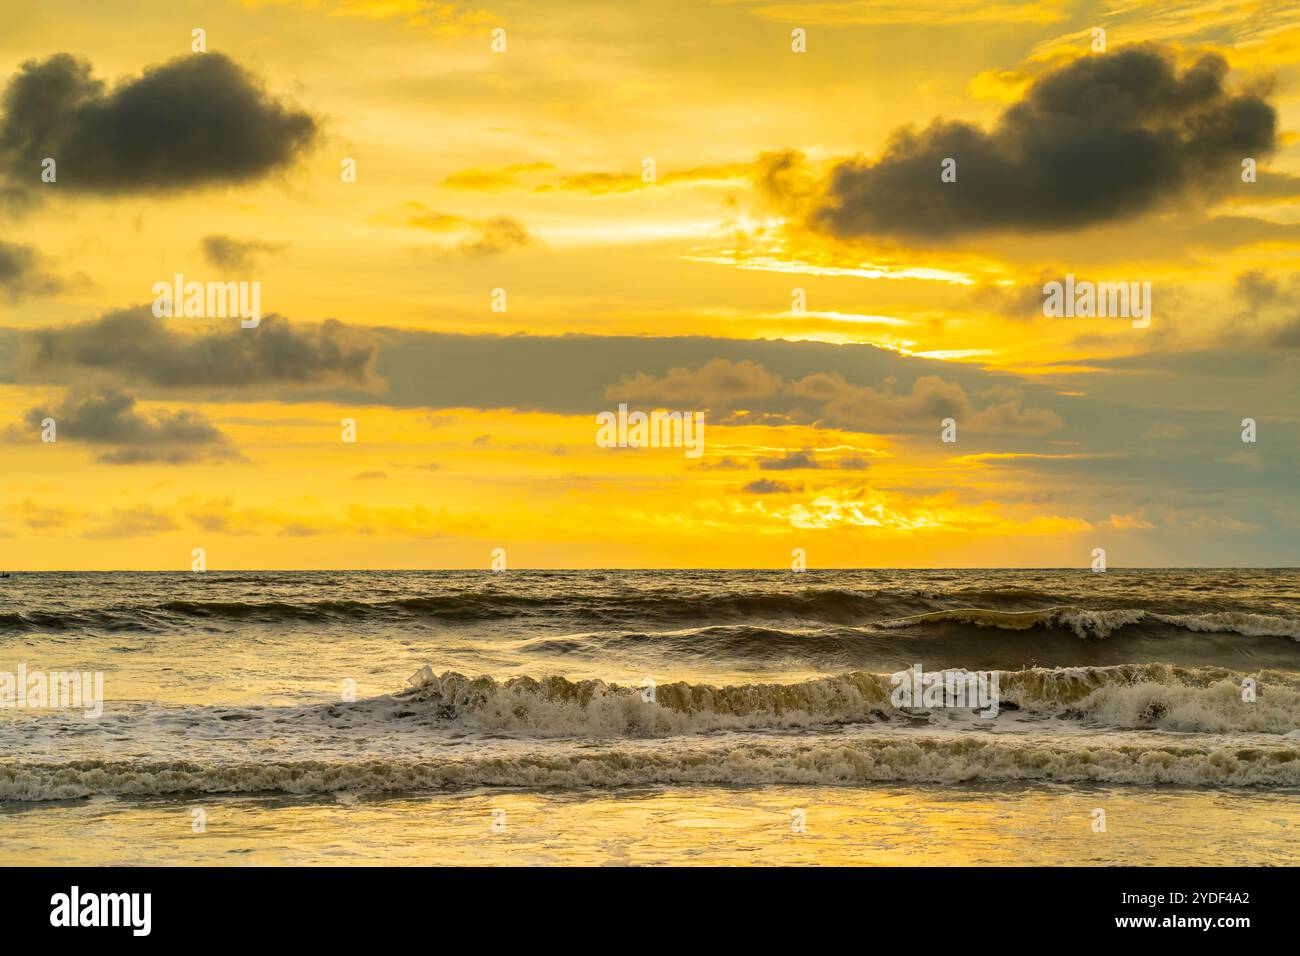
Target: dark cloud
[(21, 274), (194, 121), (789, 462), (854, 387), (717, 382), (766, 486), (1270, 319), (1258, 289), (105, 415), (1102, 138), (136, 346), (1286, 335), (930, 400), (227, 252)]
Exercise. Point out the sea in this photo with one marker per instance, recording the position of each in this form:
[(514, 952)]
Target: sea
[(607, 717)]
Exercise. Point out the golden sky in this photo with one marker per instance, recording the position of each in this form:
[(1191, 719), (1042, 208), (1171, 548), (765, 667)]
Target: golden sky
[(731, 208)]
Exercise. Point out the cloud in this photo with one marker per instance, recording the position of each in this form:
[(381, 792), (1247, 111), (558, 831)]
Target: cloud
[(226, 252), (1286, 335), (1270, 320), (895, 12), (21, 274), (784, 179), (223, 516), (437, 17), (1257, 289), (736, 381), (104, 415), (495, 236), (594, 183), (726, 463), (755, 382), (789, 462), (774, 382), (716, 382), (194, 121), (482, 237), (829, 397), (766, 486), (1100, 139), (135, 345), (134, 522), (930, 400), (1128, 522), (493, 178), (601, 183), (42, 517)]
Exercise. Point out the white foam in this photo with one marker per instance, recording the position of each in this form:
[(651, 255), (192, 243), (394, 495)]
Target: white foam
[(746, 761)]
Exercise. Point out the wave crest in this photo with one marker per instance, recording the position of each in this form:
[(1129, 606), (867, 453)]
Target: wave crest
[(1100, 623), (870, 758), (1130, 696)]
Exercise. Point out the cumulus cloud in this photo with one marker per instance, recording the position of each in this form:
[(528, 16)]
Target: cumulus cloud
[(103, 415), (1100, 139), (134, 345), (194, 121), (830, 398), (716, 382), (930, 400)]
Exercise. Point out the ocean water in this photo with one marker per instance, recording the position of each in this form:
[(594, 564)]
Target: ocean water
[(630, 717)]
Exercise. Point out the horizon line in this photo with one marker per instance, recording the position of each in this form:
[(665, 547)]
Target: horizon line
[(1083, 568)]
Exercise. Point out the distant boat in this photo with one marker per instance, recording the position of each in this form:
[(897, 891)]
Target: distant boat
[(4, 574)]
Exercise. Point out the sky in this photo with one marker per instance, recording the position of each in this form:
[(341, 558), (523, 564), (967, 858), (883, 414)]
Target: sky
[(825, 227)]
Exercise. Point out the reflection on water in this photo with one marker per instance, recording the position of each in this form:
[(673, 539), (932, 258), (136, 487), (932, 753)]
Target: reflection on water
[(885, 826)]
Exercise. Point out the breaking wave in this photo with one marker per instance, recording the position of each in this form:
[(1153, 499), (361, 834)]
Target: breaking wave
[(1093, 623), (1150, 696), (1138, 723), (865, 759), (658, 605)]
